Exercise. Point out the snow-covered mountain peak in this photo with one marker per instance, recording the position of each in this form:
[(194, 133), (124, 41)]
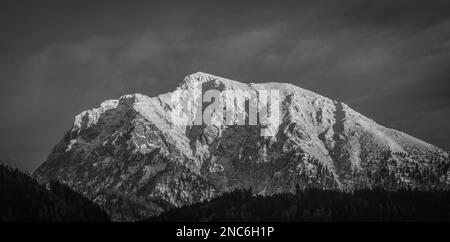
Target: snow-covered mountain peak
[(128, 152), (208, 81)]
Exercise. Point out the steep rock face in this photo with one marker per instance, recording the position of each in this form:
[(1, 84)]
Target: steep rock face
[(129, 156)]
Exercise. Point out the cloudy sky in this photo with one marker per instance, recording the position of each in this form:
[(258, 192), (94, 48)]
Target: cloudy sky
[(389, 60)]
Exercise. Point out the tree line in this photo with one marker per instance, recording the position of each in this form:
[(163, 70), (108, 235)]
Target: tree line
[(318, 205), (23, 199)]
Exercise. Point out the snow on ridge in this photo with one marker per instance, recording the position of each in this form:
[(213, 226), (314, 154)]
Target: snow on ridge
[(303, 102), (125, 102), (134, 141), (91, 116)]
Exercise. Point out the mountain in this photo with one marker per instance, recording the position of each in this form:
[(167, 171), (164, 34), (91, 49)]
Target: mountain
[(133, 159), (23, 199)]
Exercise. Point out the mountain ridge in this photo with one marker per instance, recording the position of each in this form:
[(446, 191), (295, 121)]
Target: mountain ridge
[(130, 148)]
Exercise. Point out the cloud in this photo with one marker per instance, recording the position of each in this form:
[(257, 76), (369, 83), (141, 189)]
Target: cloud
[(388, 59)]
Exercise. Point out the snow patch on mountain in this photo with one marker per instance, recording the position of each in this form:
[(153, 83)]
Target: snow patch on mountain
[(129, 153)]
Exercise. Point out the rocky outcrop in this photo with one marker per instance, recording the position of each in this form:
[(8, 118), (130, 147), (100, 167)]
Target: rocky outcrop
[(130, 157)]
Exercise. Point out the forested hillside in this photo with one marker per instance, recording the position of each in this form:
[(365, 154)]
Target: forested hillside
[(23, 199), (319, 205)]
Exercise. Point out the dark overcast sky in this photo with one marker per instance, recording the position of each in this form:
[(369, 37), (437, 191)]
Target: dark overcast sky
[(389, 60)]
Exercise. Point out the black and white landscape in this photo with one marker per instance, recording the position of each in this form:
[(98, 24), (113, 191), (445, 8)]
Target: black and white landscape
[(86, 100), (128, 152)]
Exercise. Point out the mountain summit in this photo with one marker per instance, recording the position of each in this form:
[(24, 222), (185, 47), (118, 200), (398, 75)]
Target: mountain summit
[(128, 155)]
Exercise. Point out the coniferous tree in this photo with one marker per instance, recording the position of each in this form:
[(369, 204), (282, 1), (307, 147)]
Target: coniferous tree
[(23, 199)]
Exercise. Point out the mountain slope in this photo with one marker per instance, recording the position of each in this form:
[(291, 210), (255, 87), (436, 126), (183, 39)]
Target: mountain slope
[(128, 154)]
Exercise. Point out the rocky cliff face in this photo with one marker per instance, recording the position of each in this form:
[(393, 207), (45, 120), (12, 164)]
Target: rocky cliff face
[(130, 157)]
